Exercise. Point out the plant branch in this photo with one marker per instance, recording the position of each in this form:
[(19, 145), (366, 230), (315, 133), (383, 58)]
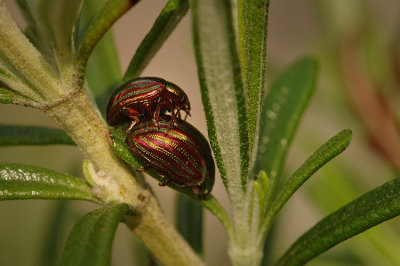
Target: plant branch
[(161, 237), (113, 180)]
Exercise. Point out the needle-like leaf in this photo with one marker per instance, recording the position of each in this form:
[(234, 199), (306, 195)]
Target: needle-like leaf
[(165, 23), (283, 108), (18, 181), (189, 221), (221, 89), (252, 24), (30, 135), (370, 209), (111, 11), (324, 154), (103, 71)]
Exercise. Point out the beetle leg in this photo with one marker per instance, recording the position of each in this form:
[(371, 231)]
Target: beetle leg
[(164, 177), (164, 183), (165, 180), (187, 114), (173, 114), (143, 168), (156, 115), (169, 128), (132, 124), (178, 112), (197, 191)]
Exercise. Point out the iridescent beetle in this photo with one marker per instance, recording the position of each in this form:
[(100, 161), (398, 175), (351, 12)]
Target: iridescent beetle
[(180, 154), (144, 98)]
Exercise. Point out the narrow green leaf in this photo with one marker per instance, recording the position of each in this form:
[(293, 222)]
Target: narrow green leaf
[(52, 244), (18, 181), (213, 205), (262, 187), (11, 78), (90, 241), (324, 154), (30, 135), (165, 23), (103, 72), (90, 9), (111, 11), (264, 182), (6, 96), (252, 23), (189, 221), (118, 136), (260, 195), (221, 89), (283, 108), (253, 211), (372, 208), (377, 247)]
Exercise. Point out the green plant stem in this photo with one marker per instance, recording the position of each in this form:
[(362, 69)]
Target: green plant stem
[(113, 181), (244, 249), (163, 240), (249, 256)]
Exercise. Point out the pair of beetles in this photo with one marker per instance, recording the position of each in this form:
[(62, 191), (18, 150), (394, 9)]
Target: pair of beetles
[(174, 148)]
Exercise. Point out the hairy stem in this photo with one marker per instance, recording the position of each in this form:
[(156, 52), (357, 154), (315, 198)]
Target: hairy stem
[(115, 181), (24, 57), (166, 243), (244, 248)]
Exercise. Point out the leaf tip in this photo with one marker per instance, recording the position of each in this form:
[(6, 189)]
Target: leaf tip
[(346, 135)]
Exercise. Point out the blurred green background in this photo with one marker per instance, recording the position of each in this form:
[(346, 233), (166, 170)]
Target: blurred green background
[(370, 30)]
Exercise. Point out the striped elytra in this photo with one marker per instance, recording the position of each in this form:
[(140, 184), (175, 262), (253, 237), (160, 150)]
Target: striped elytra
[(143, 98), (180, 154)]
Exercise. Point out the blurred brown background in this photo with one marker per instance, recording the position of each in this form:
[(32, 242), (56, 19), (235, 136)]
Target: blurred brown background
[(295, 29)]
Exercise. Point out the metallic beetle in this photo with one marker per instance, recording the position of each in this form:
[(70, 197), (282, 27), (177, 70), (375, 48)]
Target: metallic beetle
[(179, 153), (144, 98)]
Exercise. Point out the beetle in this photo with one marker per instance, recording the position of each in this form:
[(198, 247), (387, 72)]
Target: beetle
[(144, 98), (179, 154)]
